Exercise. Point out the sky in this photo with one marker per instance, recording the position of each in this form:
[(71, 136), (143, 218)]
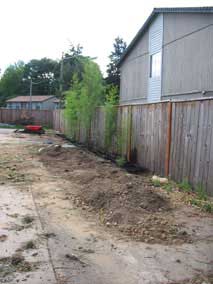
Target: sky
[(32, 29)]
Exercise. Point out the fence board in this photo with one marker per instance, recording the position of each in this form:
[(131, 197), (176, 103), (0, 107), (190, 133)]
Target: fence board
[(44, 117)]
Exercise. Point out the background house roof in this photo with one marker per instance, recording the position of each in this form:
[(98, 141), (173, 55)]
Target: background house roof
[(23, 99), (152, 16)]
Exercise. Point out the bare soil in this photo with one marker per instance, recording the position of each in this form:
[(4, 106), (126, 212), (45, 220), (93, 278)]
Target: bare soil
[(126, 203), (73, 217)]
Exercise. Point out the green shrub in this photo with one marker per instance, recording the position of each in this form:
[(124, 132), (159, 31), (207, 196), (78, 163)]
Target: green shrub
[(110, 114), (84, 96)]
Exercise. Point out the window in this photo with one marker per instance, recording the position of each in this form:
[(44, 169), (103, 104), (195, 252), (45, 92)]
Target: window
[(17, 106), (23, 105), (155, 65)]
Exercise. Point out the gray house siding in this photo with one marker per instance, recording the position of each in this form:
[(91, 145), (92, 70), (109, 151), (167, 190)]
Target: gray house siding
[(187, 55), (48, 104), (136, 86), (155, 46), (135, 72), (187, 60), (44, 105)]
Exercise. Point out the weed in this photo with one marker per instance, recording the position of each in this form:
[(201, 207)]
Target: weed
[(185, 186), (196, 202), (156, 183), (201, 194), (168, 187), (101, 215), (207, 207), (27, 219), (121, 161), (30, 245)]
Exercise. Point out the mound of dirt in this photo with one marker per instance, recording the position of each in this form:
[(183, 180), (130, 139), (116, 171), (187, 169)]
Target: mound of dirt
[(124, 202)]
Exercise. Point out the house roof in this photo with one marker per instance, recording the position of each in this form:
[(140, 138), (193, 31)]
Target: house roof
[(152, 16), (23, 99)]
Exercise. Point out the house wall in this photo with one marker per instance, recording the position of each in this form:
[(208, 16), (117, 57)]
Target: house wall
[(187, 55), (155, 47), (135, 86), (135, 72), (49, 104)]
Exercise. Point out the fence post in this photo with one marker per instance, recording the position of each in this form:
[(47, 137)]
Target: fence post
[(129, 134), (169, 132)]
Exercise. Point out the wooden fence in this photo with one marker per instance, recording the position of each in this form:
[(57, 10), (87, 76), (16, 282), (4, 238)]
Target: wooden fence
[(169, 138), (16, 116)]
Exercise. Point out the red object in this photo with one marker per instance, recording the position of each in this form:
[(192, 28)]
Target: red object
[(33, 128)]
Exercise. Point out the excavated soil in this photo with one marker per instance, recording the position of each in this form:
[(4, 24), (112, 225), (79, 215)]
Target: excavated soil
[(69, 216), (126, 203)]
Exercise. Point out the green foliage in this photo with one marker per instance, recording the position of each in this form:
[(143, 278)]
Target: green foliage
[(168, 186), (15, 80), (110, 114), (207, 207), (121, 161), (11, 83), (185, 186), (204, 205), (113, 72), (200, 192), (72, 66), (156, 183), (46, 72), (84, 96)]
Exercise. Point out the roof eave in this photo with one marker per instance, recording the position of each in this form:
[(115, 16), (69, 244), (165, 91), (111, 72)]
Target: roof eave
[(137, 36), (151, 17)]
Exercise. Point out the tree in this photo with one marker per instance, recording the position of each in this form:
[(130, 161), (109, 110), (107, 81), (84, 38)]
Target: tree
[(113, 72), (72, 64), (85, 95), (11, 83), (44, 71)]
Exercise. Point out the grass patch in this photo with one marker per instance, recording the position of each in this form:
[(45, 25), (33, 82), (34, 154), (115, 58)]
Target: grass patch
[(185, 186), (156, 183), (204, 205), (200, 192), (168, 186), (207, 207), (11, 126)]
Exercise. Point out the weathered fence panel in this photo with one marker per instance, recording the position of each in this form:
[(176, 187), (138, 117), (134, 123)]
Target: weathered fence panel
[(44, 117), (192, 143), (149, 136), (97, 138)]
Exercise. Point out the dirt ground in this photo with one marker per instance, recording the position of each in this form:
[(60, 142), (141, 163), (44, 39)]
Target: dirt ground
[(69, 216)]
